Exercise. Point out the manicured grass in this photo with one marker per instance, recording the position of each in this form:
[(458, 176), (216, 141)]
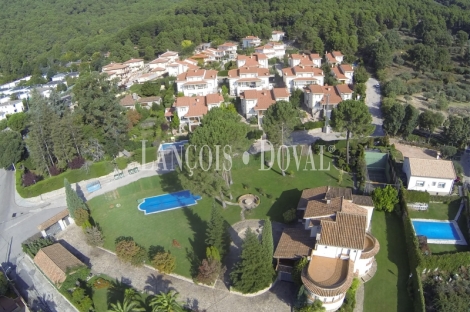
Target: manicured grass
[(54, 183), (188, 225), (387, 290), (441, 211), (100, 299)]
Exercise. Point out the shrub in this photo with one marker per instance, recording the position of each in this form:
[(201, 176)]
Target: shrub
[(3, 284), (290, 215), (208, 271), (81, 216), (253, 120), (76, 163), (350, 299), (313, 125), (93, 235), (128, 251), (29, 178), (101, 283), (164, 262), (297, 270), (32, 247), (54, 171), (254, 134), (385, 198), (416, 196)]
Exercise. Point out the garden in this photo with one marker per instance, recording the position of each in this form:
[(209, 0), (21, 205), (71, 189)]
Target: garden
[(182, 231)]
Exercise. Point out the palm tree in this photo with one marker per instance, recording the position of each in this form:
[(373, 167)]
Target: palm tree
[(166, 302), (126, 306)]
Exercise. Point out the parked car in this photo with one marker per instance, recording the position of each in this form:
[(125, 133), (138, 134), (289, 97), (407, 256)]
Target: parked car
[(377, 86)]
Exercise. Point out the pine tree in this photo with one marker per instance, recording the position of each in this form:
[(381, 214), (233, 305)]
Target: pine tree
[(63, 145), (74, 202), (251, 274), (217, 234), (267, 242)]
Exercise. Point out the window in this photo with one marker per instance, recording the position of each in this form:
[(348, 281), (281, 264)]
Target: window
[(441, 185), (433, 183), (419, 183)]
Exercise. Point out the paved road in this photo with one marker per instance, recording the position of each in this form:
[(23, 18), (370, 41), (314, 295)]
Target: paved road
[(373, 101)]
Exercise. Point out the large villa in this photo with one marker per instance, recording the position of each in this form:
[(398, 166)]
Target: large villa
[(335, 239)]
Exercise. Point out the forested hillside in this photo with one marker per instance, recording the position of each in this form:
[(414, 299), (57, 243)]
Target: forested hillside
[(41, 34)]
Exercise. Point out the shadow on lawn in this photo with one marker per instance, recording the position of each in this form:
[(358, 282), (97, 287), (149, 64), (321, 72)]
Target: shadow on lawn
[(170, 182), (197, 252), (287, 200), (396, 250)]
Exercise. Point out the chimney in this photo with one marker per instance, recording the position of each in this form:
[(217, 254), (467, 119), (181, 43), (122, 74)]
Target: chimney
[(134, 96)]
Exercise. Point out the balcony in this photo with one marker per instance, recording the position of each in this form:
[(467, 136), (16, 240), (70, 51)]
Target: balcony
[(371, 247)]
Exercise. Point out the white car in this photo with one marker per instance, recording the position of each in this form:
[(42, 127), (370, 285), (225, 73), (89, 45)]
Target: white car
[(377, 86)]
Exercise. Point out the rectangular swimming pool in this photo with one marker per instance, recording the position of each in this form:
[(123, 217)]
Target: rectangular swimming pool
[(436, 230), (177, 145), (168, 202)]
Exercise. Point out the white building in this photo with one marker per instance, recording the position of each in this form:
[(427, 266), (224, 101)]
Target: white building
[(305, 59), (199, 82), (336, 240), (230, 49), (300, 76), (324, 98), (254, 60), (248, 78), (251, 42), (272, 49), (10, 108), (134, 64), (160, 62), (59, 77), (173, 56), (334, 58), (116, 70), (277, 35), (435, 176), (343, 73), (255, 103), (191, 109)]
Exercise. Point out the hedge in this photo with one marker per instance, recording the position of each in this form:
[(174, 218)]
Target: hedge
[(449, 262), (416, 196), (309, 125), (96, 170), (443, 199)]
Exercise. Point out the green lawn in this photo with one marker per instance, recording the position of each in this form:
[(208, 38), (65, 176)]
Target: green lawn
[(188, 226), (100, 299), (387, 290), (441, 211)]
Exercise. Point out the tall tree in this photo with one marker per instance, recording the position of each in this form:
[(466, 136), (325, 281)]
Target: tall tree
[(279, 122), (18, 121), (457, 130), (11, 147), (74, 202), (251, 273), (267, 242), (166, 302), (393, 120), (217, 233), (410, 121), (126, 306), (62, 141), (429, 121), (353, 117)]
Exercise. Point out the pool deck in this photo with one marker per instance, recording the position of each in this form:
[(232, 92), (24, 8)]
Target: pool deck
[(460, 241)]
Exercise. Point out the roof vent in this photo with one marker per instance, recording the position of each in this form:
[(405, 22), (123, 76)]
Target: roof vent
[(328, 201)]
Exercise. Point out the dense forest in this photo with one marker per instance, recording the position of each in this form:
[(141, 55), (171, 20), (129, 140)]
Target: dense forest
[(37, 36)]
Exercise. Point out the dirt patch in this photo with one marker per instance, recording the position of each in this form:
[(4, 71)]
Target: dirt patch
[(415, 152)]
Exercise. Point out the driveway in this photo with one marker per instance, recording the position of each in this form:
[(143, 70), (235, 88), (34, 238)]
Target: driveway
[(414, 151), (373, 102), (216, 299)]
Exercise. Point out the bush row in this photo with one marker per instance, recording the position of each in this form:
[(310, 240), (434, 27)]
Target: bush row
[(416, 196), (443, 199)]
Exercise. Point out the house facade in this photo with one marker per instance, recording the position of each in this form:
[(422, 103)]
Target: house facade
[(10, 108), (248, 78), (255, 103), (435, 176), (305, 59), (134, 64), (198, 82), (343, 73), (334, 58), (254, 60), (230, 49), (336, 240), (300, 76), (191, 109), (277, 35), (324, 98), (272, 49), (250, 42)]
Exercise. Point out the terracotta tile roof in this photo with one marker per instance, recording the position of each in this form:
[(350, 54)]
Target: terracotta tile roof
[(308, 69), (341, 271), (343, 89), (337, 53), (294, 243), (362, 200), (281, 93), (348, 231), (431, 168), (169, 53), (251, 37), (169, 111), (315, 89), (277, 32), (133, 61), (234, 73), (248, 79), (195, 82), (310, 194), (321, 208), (228, 44), (114, 66), (150, 99), (214, 98), (54, 260), (198, 105), (333, 98), (338, 74), (260, 56), (53, 220), (330, 58), (160, 60), (210, 74), (158, 69), (336, 192), (348, 207), (371, 247), (128, 100), (346, 68)]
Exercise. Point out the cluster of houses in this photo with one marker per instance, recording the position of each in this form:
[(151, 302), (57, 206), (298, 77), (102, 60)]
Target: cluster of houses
[(12, 94)]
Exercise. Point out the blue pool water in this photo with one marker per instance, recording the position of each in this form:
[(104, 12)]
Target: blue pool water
[(436, 230), (168, 202), (166, 146)]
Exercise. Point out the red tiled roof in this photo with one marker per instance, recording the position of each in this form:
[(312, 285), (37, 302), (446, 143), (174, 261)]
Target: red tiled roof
[(251, 37), (214, 98), (315, 89), (127, 100), (281, 93), (150, 99), (53, 220), (338, 74), (294, 243), (346, 68), (343, 89), (169, 53), (348, 231), (133, 61), (160, 60)]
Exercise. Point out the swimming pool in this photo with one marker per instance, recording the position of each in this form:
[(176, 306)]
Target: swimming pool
[(168, 202), (438, 231), (167, 146)]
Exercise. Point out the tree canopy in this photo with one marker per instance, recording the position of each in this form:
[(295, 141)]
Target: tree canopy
[(12, 147)]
